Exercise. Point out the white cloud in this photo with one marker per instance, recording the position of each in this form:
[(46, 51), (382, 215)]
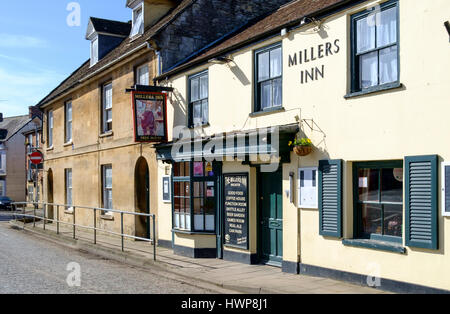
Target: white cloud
[(21, 41)]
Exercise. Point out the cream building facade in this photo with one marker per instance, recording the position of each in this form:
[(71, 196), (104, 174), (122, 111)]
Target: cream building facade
[(370, 203)]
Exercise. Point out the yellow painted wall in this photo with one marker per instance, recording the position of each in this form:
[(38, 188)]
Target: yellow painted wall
[(389, 125)]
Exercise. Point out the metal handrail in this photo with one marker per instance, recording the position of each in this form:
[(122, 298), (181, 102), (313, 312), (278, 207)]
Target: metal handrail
[(95, 229)]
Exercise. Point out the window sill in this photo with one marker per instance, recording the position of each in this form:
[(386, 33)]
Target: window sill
[(106, 134), (374, 90), (376, 245), (267, 112), (68, 144), (49, 149), (194, 232), (68, 211), (107, 217)]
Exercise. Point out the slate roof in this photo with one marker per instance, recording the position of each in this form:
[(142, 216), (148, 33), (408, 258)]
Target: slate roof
[(127, 45), (286, 15), (111, 27), (14, 125)]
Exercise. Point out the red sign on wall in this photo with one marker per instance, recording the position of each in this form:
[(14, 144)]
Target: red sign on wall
[(36, 158), (150, 116)]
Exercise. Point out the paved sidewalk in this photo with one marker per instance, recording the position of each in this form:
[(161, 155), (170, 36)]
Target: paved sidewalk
[(253, 279)]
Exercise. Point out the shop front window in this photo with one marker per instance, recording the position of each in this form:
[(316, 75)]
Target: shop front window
[(194, 198), (379, 200)]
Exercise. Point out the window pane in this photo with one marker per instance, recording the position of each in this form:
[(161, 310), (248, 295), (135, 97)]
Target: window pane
[(205, 111), (365, 34), (263, 66), (187, 167), (392, 185), (204, 87), (143, 78), (194, 89), (177, 204), (371, 219), (369, 70), (387, 28), (108, 177), (199, 222), (275, 63), (368, 183), (108, 96), (108, 115), (266, 94), (69, 111), (198, 116), (277, 92), (388, 65), (393, 220), (198, 205)]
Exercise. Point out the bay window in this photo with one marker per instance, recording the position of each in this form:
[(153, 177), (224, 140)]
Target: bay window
[(194, 197)]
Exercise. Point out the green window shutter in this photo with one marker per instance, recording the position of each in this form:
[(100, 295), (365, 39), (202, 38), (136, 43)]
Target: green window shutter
[(330, 198), (421, 185)]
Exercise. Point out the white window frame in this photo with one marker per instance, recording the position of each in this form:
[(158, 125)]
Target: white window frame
[(443, 189), (68, 124), (3, 187), (3, 162), (94, 51), (299, 196), (139, 75), (134, 30), (105, 110), (50, 129), (69, 186), (106, 188)]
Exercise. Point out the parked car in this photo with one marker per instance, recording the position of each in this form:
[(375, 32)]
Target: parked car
[(6, 203)]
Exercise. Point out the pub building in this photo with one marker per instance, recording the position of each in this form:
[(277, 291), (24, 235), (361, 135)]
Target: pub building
[(368, 200)]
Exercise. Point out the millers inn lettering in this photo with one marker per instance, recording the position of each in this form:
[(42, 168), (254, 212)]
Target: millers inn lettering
[(313, 54)]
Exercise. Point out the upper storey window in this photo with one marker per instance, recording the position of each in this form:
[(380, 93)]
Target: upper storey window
[(142, 75), (198, 99), (138, 21), (375, 55), (269, 75)]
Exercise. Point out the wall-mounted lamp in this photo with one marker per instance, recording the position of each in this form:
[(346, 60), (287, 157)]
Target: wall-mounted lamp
[(220, 60), (447, 26)]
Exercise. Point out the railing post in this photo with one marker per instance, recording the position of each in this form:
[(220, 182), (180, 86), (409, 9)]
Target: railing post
[(121, 229), (34, 215), (74, 223), (57, 219), (154, 237), (23, 215), (44, 208), (95, 225)]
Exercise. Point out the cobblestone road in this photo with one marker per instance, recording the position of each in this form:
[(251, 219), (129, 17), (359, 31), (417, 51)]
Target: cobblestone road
[(31, 265)]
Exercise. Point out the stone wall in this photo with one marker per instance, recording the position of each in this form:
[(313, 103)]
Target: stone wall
[(206, 21)]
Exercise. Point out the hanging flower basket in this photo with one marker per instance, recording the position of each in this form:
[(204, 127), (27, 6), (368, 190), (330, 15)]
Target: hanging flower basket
[(303, 150), (302, 146)]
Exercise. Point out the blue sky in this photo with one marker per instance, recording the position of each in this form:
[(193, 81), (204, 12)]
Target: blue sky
[(38, 48)]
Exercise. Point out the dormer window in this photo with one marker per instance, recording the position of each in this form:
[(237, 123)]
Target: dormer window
[(138, 21), (94, 51)]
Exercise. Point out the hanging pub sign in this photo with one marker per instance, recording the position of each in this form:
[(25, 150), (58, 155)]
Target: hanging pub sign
[(236, 210), (150, 116)]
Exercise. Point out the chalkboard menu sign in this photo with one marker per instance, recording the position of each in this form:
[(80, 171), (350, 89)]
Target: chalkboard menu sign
[(236, 210), (446, 189)]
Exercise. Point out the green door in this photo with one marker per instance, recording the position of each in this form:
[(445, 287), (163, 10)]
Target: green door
[(271, 218)]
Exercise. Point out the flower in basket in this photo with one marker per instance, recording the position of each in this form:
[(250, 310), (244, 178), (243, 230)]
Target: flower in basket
[(302, 146), (301, 142)]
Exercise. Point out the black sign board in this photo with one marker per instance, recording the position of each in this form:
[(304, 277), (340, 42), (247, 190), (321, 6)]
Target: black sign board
[(150, 116), (236, 210), (447, 189)]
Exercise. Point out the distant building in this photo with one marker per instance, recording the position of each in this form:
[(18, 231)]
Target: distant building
[(34, 174), (13, 156)]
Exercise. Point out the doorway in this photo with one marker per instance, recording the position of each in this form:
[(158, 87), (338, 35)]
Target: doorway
[(142, 198), (271, 218)]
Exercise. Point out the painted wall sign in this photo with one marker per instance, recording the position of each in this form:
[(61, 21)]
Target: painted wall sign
[(305, 56), (150, 116), (236, 210)]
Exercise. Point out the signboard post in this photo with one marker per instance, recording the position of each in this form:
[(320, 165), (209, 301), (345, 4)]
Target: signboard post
[(236, 210), (150, 116)]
